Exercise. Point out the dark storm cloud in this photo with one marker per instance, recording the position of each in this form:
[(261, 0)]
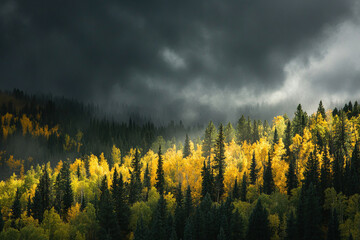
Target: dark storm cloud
[(147, 54)]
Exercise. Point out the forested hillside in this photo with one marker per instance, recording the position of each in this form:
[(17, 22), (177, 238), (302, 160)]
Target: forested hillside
[(70, 174)]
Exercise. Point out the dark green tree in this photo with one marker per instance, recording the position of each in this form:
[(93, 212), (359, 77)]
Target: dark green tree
[(220, 163), (255, 132), (299, 122), (236, 190), (259, 228), (325, 172), (338, 171), (64, 193), (16, 206), (186, 150), (135, 180), (321, 110), (160, 180), (207, 181), (141, 231), (158, 228), (269, 184), (354, 175), (1, 220), (209, 140), (312, 214), (276, 137), (42, 196), (229, 133), (188, 207), (241, 130), (291, 230), (28, 207), (311, 173), (237, 226), (122, 210), (291, 178), (221, 235), (109, 228), (243, 190), (179, 215), (189, 230), (333, 232), (253, 170)]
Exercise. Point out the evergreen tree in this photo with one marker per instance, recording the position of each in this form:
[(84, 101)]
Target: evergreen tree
[(188, 232), (147, 182), (354, 175), (255, 132), (221, 235), (259, 228), (333, 232), (186, 150), (160, 181), (243, 190), (158, 229), (253, 170), (135, 180), (321, 110), (229, 133), (269, 184), (338, 169), (179, 213), (237, 226), (64, 194), (325, 172), (220, 163), (109, 228), (299, 121), (207, 181), (276, 137), (188, 208), (16, 206), (122, 210), (312, 215), (311, 173), (42, 196), (209, 140), (236, 190), (241, 130), (291, 178), (248, 131), (141, 232), (291, 231), (37, 207)]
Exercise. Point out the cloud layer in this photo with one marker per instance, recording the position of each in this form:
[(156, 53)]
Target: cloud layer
[(189, 60)]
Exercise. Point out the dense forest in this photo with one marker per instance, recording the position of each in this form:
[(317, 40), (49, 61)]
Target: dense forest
[(70, 172)]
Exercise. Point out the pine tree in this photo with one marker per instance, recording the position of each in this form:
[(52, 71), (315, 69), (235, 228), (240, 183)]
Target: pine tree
[(354, 175), (179, 213), (236, 190), (276, 137), (325, 173), (67, 190), (42, 196), (135, 180), (207, 181), (338, 169), (188, 207), (333, 232), (291, 231), (221, 235), (299, 121), (248, 131), (186, 150), (321, 110), (240, 130), (291, 178), (188, 232), (269, 184), (141, 232), (311, 173), (209, 140), (259, 228), (220, 164), (109, 228), (147, 183), (121, 207), (158, 228), (253, 170), (243, 190), (160, 181), (312, 214), (16, 206), (237, 226), (229, 133)]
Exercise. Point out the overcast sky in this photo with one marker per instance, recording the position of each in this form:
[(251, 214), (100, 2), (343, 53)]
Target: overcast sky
[(189, 60)]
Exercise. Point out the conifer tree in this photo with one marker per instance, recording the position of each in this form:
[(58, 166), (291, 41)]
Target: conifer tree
[(220, 163), (147, 183), (240, 130), (16, 206), (221, 235), (354, 175), (158, 228), (311, 173), (186, 150), (269, 184), (333, 232), (179, 213), (109, 228), (237, 227), (338, 169), (291, 178), (28, 207), (312, 214), (253, 170), (135, 180), (291, 231), (243, 190), (299, 121), (188, 207), (229, 133), (1, 220), (207, 181), (122, 210), (42, 196), (141, 232), (209, 140), (160, 181), (259, 228), (276, 137), (255, 132), (321, 110), (236, 190), (325, 172), (188, 232)]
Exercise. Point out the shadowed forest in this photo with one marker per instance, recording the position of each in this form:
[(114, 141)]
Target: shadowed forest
[(70, 172)]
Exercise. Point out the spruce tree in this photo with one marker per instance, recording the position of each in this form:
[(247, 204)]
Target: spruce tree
[(229, 133), (291, 178), (109, 228), (259, 228), (243, 190), (179, 213), (186, 150), (312, 215), (299, 122), (209, 140), (240, 130), (338, 169), (354, 175), (1, 220), (42, 196), (160, 181), (221, 235), (189, 230), (147, 182), (16, 206), (325, 172), (333, 232), (141, 232), (269, 184), (321, 110), (237, 228), (135, 180), (291, 230), (28, 207), (122, 210), (220, 163), (236, 190), (63, 190), (207, 181), (253, 170), (188, 207), (311, 173), (276, 137), (158, 228)]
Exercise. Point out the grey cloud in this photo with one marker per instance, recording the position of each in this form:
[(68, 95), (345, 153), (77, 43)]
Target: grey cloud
[(91, 49)]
